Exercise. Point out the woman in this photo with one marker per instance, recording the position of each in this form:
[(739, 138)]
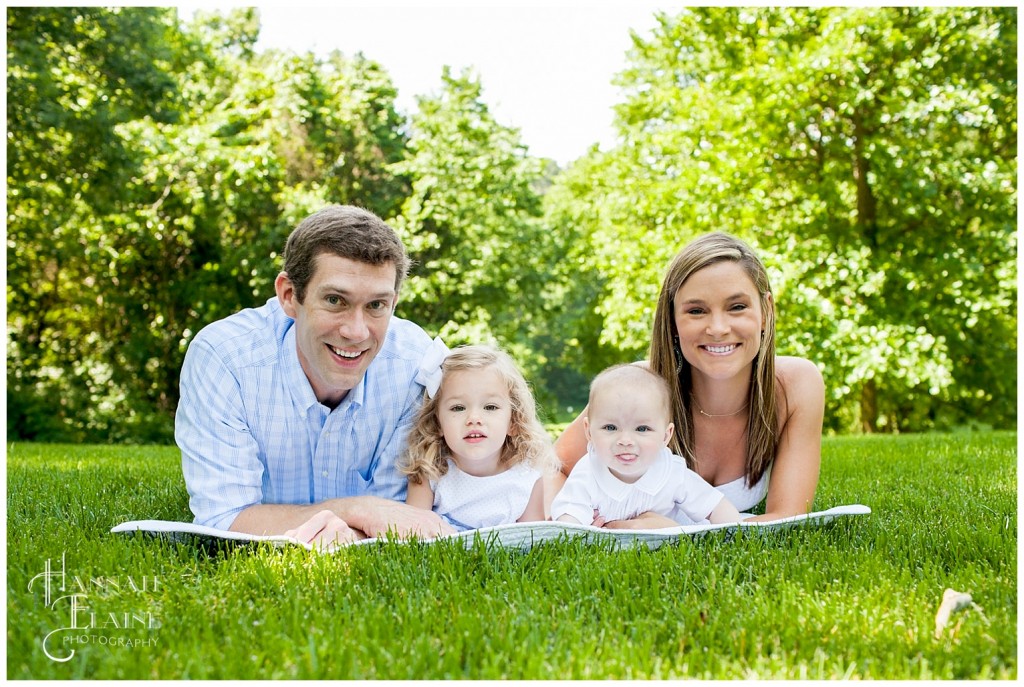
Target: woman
[(745, 420)]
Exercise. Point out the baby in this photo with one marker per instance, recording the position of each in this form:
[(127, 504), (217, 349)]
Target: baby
[(628, 469)]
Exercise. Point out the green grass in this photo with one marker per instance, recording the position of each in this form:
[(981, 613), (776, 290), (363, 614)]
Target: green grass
[(856, 599)]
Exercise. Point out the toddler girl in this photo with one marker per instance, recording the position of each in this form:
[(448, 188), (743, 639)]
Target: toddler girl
[(477, 452)]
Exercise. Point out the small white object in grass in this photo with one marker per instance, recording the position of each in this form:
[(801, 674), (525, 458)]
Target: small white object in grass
[(952, 601)]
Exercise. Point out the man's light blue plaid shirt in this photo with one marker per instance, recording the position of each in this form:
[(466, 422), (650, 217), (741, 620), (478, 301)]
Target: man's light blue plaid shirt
[(251, 431)]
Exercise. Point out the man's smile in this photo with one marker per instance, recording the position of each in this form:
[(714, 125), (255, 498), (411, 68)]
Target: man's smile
[(348, 355)]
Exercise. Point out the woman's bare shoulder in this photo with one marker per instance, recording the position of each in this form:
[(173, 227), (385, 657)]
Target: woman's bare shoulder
[(798, 373), (796, 370), (799, 377)]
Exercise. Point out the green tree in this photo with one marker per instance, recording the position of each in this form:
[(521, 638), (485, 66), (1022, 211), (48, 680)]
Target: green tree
[(337, 127), (870, 154), (131, 229), (74, 76), (471, 224)]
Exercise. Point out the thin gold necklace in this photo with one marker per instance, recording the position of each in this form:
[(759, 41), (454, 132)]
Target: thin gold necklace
[(701, 410)]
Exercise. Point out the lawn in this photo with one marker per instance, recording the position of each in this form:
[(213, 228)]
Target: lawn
[(854, 599)]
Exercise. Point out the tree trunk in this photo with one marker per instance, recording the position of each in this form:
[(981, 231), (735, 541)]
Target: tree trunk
[(869, 407), (867, 223), (867, 207)]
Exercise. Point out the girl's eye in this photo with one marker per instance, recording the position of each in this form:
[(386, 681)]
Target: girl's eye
[(608, 428), (695, 311), (739, 306), (491, 406), (457, 408), (643, 428)]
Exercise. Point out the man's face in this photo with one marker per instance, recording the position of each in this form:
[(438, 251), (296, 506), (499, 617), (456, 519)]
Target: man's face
[(341, 324)]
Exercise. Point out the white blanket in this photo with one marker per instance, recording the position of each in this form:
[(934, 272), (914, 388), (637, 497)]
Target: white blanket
[(514, 536)]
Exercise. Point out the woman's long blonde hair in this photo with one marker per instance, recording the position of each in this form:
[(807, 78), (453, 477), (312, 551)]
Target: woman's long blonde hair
[(426, 457), (765, 393)]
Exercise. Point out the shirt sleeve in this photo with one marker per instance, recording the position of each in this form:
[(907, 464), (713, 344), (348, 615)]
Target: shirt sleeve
[(219, 456), (575, 498), (387, 480), (697, 498)]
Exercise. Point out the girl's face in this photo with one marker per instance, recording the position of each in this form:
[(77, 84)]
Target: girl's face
[(719, 320), (475, 414)]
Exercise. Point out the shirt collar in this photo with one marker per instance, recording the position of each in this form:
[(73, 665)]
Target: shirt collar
[(652, 481)]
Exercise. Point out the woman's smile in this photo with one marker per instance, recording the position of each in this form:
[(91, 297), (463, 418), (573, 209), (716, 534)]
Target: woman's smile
[(720, 350)]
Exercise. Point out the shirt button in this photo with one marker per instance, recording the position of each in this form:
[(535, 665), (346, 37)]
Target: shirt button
[(324, 473)]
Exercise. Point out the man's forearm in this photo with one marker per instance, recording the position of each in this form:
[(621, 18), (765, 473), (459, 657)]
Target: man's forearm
[(274, 519)]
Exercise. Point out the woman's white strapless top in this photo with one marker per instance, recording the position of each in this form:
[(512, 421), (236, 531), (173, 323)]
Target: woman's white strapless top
[(742, 496)]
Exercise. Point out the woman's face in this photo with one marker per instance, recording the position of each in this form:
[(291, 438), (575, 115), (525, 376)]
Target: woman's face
[(719, 320)]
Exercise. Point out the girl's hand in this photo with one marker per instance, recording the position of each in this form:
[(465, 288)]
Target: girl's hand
[(599, 520)]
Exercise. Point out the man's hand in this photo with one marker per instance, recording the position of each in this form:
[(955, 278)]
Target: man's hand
[(404, 521), (325, 530), (342, 520)]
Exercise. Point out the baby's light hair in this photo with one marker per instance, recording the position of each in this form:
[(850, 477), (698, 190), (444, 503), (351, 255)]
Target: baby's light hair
[(614, 378), (427, 453)]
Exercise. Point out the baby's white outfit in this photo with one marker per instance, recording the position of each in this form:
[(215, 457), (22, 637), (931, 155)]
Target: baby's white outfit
[(468, 502), (668, 488), (739, 495)]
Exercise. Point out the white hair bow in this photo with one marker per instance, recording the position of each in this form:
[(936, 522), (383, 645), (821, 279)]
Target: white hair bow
[(429, 374)]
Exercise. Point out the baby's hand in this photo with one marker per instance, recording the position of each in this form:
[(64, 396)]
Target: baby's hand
[(599, 520)]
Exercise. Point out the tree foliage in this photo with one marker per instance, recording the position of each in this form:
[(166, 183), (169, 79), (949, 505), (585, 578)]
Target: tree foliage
[(149, 198), (869, 154), (73, 79), (155, 167), (471, 224)]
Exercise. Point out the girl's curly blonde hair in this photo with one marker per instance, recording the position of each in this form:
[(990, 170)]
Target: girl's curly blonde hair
[(427, 453)]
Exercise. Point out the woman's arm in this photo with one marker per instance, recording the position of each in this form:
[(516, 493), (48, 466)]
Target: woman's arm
[(572, 444), (794, 476)]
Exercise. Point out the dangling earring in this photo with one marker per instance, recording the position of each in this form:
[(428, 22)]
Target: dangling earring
[(678, 353)]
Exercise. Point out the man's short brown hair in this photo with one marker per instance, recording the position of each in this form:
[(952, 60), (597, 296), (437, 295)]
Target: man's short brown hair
[(348, 232)]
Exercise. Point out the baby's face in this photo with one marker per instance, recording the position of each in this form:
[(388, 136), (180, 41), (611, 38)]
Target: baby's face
[(628, 428)]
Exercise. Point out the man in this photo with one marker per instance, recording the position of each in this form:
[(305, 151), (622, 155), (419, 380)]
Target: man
[(292, 415)]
